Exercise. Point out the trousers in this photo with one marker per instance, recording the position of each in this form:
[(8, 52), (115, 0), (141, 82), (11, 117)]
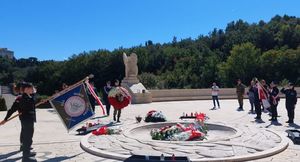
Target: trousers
[(27, 131)]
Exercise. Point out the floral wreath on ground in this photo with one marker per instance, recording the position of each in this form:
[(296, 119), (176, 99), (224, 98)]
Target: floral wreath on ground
[(119, 97), (155, 116), (182, 132), (104, 130)]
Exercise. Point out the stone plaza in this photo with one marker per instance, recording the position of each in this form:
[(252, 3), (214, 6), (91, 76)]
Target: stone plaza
[(52, 142)]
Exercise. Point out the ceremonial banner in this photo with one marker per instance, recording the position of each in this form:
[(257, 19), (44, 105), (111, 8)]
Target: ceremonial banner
[(263, 96), (73, 106), (93, 93)]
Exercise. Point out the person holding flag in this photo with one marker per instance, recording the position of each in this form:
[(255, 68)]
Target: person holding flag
[(26, 107)]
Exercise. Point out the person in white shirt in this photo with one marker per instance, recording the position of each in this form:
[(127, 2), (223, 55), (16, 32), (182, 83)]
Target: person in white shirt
[(215, 93)]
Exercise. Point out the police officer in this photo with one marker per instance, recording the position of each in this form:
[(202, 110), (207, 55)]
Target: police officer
[(290, 101)]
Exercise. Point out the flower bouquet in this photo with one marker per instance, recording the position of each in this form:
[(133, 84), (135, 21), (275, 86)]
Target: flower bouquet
[(119, 97), (182, 132), (106, 131), (155, 116), (89, 127)]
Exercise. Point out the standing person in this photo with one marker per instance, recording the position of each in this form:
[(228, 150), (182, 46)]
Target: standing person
[(28, 118), (290, 101), (251, 96), (274, 99), (215, 93), (256, 101), (240, 91), (117, 111), (91, 97), (15, 107), (107, 88)]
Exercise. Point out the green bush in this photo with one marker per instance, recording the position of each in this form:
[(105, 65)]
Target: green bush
[(2, 104)]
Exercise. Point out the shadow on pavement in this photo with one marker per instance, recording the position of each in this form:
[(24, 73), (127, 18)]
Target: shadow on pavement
[(13, 160), (294, 125), (5, 156)]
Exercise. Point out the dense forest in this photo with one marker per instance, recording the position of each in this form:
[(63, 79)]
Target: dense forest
[(268, 50)]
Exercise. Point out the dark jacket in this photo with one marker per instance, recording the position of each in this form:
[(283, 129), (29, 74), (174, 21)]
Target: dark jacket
[(290, 97), (27, 108), (15, 107), (106, 91), (274, 97)]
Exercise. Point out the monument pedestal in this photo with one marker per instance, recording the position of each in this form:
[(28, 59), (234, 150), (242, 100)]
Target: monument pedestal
[(138, 92)]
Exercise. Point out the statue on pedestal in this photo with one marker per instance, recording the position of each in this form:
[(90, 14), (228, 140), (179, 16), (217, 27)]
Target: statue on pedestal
[(131, 68)]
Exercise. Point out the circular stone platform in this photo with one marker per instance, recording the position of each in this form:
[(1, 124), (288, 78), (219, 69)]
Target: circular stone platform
[(224, 143)]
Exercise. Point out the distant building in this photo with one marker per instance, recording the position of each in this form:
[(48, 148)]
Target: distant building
[(4, 52)]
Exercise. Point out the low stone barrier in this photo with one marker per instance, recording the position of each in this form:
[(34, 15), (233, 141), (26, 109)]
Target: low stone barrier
[(196, 94)]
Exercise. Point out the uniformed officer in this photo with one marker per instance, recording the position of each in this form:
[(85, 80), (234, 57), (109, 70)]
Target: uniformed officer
[(240, 91), (290, 101)]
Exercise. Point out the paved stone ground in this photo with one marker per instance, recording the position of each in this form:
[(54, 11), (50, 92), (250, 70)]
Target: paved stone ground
[(53, 143)]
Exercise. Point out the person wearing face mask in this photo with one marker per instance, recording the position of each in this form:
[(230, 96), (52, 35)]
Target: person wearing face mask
[(290, 101)]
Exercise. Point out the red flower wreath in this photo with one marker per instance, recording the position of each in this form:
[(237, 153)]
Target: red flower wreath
[(119, 97)]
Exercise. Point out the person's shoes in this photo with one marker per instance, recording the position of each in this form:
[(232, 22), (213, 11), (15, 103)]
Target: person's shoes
[(290, 122), (118, 121), (257, 118), (214, 108), (30, 154)]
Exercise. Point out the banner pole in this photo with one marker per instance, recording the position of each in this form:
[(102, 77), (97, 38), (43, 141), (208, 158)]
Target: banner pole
[(65, 90)]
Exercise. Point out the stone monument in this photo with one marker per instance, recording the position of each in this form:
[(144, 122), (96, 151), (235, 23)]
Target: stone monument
[(131, 82)]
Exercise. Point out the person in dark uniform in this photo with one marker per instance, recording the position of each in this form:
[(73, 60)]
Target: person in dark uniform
[(107, 88), (28, 118), (274, 99), (290, 101), (25, 105), (240, 91)]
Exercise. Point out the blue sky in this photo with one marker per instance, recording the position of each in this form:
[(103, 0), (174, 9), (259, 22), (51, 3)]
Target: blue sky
[(56, 29)]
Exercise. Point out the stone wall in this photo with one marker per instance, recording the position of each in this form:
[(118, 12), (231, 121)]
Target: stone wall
[(195, 94)]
